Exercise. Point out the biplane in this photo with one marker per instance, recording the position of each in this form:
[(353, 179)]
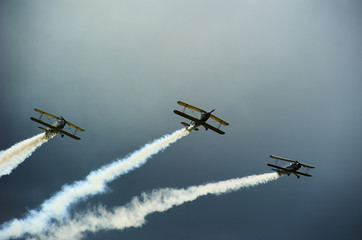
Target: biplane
[(199, 120), (56, 127), (293, 167)]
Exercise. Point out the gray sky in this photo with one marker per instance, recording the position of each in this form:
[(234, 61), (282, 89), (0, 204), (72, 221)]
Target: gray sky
[(286, 75)]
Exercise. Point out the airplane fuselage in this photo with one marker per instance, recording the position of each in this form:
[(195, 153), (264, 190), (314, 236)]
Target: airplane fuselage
[(202, 119), (294, 166), (57, 126)]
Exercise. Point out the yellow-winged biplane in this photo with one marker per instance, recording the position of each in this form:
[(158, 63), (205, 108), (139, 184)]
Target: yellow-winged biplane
[(201, 120), (56, 127)]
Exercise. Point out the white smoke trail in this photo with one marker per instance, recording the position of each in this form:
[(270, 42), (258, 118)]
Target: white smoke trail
[(57, 206), (133, 214), (12, 157)]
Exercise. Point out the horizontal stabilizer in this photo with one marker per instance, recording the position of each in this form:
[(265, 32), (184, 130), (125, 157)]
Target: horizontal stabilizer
[(185, 124), (42, 128)]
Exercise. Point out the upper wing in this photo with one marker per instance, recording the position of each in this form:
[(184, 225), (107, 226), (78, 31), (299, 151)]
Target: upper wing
[(41, 122), (69, 135), (45, 113), (185, 115), (290, 160), (306, 165), (213, 128), (190, 107), (304, 174), (74, 126), (281, 158), (219, 120)]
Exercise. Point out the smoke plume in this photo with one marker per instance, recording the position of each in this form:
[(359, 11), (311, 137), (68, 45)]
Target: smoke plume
[(12, 157), (57, 207), (133, 214)]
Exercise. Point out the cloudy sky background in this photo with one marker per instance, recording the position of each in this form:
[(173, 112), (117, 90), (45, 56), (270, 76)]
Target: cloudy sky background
[(285, 74)]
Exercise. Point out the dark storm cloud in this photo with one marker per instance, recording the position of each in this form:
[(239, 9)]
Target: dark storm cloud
[(286, 75)]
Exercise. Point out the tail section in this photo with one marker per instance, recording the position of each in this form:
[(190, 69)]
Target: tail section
[(188, 125), (49, 133), (185, 124)]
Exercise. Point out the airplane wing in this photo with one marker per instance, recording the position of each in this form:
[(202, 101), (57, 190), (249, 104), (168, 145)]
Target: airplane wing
[(281, 158), (279, 167), (41, 122), (219, 120), (213, 128), (69, 135), (306, 165), (190, 107), (185, 115), (290, 160), (304, 174), (46, 114), (74, 126)]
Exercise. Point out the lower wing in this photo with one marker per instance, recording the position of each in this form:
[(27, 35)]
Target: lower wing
[(69, 135), (219, 120), (185, 115), (213, 128), (279, 167), (41, 122), (304, 174), (75, 126)]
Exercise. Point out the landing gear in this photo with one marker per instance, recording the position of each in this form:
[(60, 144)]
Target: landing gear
[(298, 176), (62, 135)]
